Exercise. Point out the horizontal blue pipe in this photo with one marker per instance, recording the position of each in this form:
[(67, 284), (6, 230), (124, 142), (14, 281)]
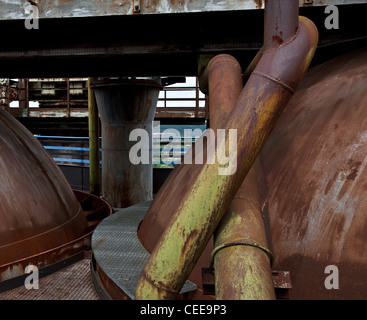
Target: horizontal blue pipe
[(181, 150), (61, 137), (87, 138), (66, 148)]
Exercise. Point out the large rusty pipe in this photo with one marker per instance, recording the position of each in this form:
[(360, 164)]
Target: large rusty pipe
[(206, 194), (241, 255), (280, 21), (220, 103), (241, 270), (222, 82), (241, 258), (227, 70)]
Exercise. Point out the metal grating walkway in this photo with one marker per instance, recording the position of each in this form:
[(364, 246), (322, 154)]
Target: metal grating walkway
[(70, 283), (118, 251)]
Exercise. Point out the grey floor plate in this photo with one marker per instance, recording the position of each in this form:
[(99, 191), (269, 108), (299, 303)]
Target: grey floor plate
[(70, 283), (118, 251)]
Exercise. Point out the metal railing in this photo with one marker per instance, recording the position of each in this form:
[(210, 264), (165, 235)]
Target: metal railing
[(75, 150), (67, 150), (57, 99)]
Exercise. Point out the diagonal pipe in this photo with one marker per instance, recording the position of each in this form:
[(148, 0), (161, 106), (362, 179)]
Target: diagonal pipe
[(204, 196)]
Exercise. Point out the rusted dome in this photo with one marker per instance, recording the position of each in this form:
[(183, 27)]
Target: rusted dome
[(38, 208), (316, 175)]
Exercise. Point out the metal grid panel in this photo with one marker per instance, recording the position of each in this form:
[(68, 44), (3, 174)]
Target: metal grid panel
[(118, 251)]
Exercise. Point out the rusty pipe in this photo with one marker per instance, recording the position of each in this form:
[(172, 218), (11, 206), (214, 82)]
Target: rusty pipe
[(280, 23), (222, 66), (241, 258), (206, 195), (222, 82), (242, 271)]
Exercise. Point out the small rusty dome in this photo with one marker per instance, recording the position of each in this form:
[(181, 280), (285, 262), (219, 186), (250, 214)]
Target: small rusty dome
[(38, 208)]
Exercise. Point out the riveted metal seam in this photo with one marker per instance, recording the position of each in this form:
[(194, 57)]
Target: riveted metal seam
[(277, 81)]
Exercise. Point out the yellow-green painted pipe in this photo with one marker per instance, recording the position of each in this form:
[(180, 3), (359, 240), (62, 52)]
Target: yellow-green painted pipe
[(206, 194), (242, 260), (240, 257), (94, 158)]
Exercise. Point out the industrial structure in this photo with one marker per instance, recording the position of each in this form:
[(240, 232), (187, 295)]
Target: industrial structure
[(288, 76)]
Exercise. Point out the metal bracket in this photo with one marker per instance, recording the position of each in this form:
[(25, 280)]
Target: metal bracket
[(282, 283), (208, 281), (136, 6)]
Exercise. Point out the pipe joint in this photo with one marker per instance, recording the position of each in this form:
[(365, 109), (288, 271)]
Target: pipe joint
[(243, 242)]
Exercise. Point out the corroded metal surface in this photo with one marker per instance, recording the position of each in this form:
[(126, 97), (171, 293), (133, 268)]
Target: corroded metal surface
[(10, 9), (280, 21), (38, 211), (125, 106), (199, 190), (315, 170), (242, 263), (94, 210)]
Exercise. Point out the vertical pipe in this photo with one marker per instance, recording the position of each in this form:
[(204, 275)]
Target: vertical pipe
[(94, 159), (241, 271), (27, 95), (68, 96), (241, 260), (240, 257), (280, 21)]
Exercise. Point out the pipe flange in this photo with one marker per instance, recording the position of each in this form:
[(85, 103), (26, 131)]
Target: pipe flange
[(244, 242)]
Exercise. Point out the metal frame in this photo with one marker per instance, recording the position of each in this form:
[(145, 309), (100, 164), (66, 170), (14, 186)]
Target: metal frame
[(87, 8), (67, 106)]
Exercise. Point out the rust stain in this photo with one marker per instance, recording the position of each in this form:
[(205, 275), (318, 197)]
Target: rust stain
[(277, 39), (177, 3), (259, 3), (354, 166)]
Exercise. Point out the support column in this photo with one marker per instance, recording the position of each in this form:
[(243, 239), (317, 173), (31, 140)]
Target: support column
[(125, 105), (94, 155)]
